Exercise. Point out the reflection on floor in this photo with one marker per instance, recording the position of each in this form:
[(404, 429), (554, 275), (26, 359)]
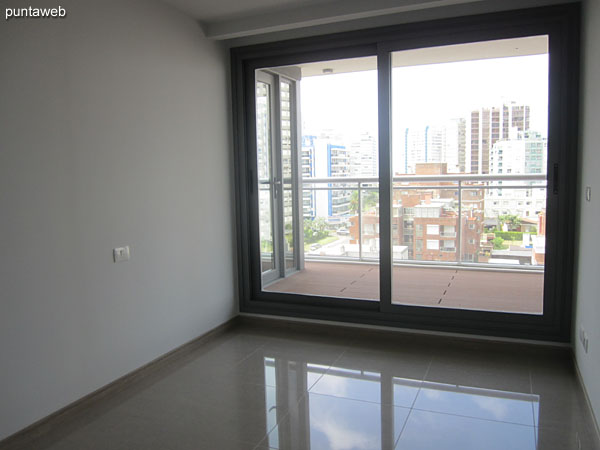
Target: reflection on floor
[(260, 387), (424, 286)]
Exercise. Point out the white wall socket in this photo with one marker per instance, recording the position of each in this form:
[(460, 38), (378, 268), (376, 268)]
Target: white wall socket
[(121, 254)]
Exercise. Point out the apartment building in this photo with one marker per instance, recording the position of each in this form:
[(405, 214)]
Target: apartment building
[(426, 220), (489, 125), (524, 153), (324, 157), (436, 143), (364, 158)]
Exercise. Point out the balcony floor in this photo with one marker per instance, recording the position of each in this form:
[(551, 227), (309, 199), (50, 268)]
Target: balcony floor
[(424, 286)]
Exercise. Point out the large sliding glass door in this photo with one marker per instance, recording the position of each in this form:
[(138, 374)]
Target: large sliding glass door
[(418, 177), (469, 126)]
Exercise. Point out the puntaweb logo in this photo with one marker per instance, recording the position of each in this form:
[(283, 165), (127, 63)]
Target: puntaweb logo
[(31, 12)]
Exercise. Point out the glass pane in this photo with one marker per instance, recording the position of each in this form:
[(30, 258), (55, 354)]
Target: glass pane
[(338, 103), (469, 157), (287, 167), (264, 168), (370, 223)]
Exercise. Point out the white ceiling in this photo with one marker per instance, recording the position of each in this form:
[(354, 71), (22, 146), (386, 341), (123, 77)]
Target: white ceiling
[(228, 19), (210, 11)]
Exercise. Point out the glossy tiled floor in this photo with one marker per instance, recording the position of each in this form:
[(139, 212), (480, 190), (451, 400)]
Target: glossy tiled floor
[(257, 388)]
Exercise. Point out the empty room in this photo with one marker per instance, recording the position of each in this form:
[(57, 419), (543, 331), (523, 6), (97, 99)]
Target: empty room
[(299, 224)]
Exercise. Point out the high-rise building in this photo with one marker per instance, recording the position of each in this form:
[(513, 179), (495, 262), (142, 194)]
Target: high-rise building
[(308, 171), (440, 143), (324, 157), (488, 126), (364, 156), (525, 154)]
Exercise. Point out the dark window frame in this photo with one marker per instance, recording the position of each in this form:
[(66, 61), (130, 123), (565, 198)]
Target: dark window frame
[(561, 24)]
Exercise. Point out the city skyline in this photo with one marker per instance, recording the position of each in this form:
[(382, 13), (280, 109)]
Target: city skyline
[(438, 93)]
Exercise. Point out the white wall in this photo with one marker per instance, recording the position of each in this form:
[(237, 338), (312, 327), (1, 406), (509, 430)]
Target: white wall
[(588, 260), (113, 131)]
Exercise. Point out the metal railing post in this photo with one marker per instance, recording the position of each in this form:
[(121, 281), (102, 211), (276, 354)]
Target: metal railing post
[(360, 252), (459, 240)]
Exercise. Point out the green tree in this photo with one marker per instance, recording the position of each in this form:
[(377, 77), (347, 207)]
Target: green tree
[(512, 220), (315, 229), (498, 243), (354, 202), (369, 199)]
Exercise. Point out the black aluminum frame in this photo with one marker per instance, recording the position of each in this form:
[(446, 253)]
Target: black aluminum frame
[(561, 24)]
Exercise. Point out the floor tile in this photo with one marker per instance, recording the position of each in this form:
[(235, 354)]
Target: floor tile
[(479, 403), (325, 422), (288, 390), (398, 362), (429, 430), (562, 439), (367, 386), (479, 367)]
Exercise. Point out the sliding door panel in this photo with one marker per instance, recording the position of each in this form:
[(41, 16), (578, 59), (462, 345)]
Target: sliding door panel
[(337, 179), (469, 157), (266, 193)]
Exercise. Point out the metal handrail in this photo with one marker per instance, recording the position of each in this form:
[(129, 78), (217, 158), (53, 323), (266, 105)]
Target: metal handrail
[(445, 177), (462, 183)]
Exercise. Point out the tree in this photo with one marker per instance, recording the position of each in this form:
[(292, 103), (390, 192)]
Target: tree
[(354, 202), (512, 220), (498, 243), (315, 230), (368, 200)]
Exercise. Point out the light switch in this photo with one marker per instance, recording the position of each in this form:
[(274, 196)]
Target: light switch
[(588, 193), (121, 254)]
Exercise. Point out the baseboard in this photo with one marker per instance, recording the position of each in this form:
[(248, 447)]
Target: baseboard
[(587, 397), (347, 327), (26, 437)]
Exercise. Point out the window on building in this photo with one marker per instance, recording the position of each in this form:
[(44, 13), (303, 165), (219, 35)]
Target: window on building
[(419, 230), (433, 229), (433, 244)]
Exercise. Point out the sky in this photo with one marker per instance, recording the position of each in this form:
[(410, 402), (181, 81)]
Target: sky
[(425, 95)]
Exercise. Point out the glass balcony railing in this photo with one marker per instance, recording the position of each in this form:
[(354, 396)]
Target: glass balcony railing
[(494, 221)]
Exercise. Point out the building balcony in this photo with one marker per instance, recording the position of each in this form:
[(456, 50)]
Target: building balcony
[(474, 274), (462, 288)]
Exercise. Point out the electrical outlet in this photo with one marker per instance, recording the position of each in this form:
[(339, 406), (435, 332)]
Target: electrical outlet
[(121, 254)]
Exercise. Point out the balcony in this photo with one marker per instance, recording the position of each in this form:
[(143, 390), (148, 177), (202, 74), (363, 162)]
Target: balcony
[(479, 272), (448, 234), (517, 292)]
